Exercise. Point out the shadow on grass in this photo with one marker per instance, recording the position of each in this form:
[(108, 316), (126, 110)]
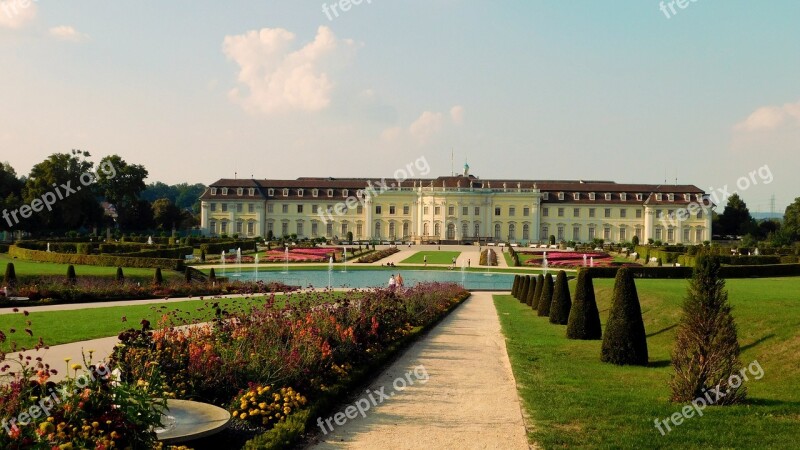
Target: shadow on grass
[(661, 363), (756, 342), (662, 330)]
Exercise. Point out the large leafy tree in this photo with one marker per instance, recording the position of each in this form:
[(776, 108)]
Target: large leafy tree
[(791, 219), (121, 184), (10, 192), (736, 218), (165, 214), (68, 176)]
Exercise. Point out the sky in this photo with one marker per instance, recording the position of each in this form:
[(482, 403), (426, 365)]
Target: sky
[(619, 90)]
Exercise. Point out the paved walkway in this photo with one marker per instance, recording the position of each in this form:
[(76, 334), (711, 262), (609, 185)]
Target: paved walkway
[(469, 399)]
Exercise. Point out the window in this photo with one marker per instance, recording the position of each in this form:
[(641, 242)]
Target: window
[(687, 197), (345, 192), (212, 225), (560, 236), (269, 208), (377, 209), (671, 235), (512, 211), (299, 194), (623, 213), (496, 210), (623, 196), (465, 210), (314, 229), (285, 209), (437, 229), (239, 207), (451, 210), (425, 210), (576, 196), (512, 232), (477, 230), (607, 212), (224, 191), (526, 211), (359, 230), (299, 228), (359, 209), (659, 233), (437, 210), (406, 210), (344, 230), (464, 230), (639, 197), (560, 212), (637, 232), (285, 229), (576, 233), (698, 235), (314, 192), (391, 209), (251, 208), (658, 197), (591, 212), (526, 231), (224, 207), (497, 231), (330, 192), (545, 229), (213, 206), (608, 196), (425, 229), (251, 192), (671, 213), (240, 192), (285, 192), (607, 233), (477, 210), (271, 192), (545, 195), (671, 197), (224, 227), (638, 213), (622, 234), (391, 230), (314, 209), (329, 229), (591, 195), (576, 212), (686, 236), (591, 232), (659, 214), (213, 191), (561, 196), (299, 209), (270, 227), (545, 212)]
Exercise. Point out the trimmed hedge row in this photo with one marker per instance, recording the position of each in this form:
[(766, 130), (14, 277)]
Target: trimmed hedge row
[(219, 247), (16, 251), (758, 271), (751, 260), (168, 253)]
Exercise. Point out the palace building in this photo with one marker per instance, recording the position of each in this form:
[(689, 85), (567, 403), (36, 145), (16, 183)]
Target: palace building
[(457, 209)]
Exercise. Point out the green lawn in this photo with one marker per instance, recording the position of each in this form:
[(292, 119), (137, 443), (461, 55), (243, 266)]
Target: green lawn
[(573, 400), (434, 257), (24, 268)]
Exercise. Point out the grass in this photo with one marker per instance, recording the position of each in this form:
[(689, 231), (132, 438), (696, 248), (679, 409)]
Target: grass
[(573, 400), (25, 269), (434, 257)]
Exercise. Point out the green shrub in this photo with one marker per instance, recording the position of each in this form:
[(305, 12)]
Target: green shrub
[(4, 248), (120, 276), (212, 276), (537, 293), (525, 283), (187, 274), (202, 255), (514, 286), (10, 277), (584, 318), (561, 304), (94, 260), (546, 298), (71, 277), (625, 341), (707, 329), (158, 279), (531, 292)]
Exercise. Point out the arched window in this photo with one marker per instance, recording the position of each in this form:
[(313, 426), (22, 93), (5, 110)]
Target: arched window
[(526, 230), (377, 230), (437, 229), (497, 232), (451, 231), (512, 232), (391, 230)]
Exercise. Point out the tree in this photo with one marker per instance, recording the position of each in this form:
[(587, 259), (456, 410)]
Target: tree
[(736, 219), (158, 279), (69, 179), (625, 341), (10, 193), (584, 318), (635, 240), (120, 277), (515, 286), (546, 298), (537, 293), (121, 184), (524, 285), (791, 220), (561, 304), (10, 277), (165, 214), (212, 275), (528, 300), (706, 352), (71, 277)]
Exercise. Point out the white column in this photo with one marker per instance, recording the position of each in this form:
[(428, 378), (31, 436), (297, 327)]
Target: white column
[(649, 224)]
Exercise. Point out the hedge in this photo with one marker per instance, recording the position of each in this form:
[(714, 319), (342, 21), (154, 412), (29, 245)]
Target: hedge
[(16, 251), (741, 260), (4, 248), (218, 247), (168, 253), (759, 271)]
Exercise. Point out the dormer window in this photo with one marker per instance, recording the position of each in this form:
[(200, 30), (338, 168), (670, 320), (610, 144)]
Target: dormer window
[(213, 191), (623, 196), (224, 191), (659, 197), (240, 192), (576, 196), (344, 192), (299, 192), (271, 192), (699, 197), (591, 195), (251, 192), (671, 197), (314, 192), (330, 192), (561, 196), (285, 192), (608, 196), (545, 195), (639, 197)]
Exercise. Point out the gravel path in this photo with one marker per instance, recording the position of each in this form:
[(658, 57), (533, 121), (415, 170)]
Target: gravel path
[(468, 401)]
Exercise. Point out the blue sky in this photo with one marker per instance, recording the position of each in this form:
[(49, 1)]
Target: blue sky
[(200, 90)]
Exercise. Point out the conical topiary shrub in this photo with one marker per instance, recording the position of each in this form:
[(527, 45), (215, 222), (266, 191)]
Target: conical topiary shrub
[(525, 284), (71, 277), (547, 296), (584, 319), (10, 277), (187, 274), (157, 277), (561, 304), (706, 329), (531, 292), (212, 276), (515, 287), (120, 277), (625, 341), (537, 294)]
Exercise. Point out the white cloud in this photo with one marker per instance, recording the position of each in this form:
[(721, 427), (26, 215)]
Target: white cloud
[(457, 114), (17, 13), (428, 124), (274, 78), (392, 134), (67, 33), (771, 117)]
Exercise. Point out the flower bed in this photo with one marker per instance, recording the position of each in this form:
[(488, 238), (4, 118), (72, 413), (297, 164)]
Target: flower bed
[(378, 255), (571, 259)]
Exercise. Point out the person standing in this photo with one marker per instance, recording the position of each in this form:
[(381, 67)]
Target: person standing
[(425, 260), (392, 283), (399, 280)]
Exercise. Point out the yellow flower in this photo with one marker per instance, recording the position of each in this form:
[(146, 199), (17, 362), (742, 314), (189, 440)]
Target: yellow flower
[(243, 416), (76, 367)]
